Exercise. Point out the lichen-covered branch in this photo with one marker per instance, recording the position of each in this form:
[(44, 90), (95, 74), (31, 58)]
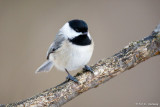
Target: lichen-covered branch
[(131, 55)]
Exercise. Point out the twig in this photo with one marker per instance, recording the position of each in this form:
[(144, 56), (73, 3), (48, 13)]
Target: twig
[(131, 55)]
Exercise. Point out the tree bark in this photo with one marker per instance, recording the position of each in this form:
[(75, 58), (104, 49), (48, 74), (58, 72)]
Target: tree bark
[(131, 55)]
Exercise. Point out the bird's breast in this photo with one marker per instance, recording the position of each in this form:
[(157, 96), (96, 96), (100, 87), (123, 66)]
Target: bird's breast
[(72, 56)]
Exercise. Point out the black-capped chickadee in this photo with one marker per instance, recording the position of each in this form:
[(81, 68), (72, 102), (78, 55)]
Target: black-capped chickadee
[(71, 49)]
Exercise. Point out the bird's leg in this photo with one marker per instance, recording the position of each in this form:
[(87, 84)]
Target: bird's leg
[(87, 68), (70, 77)]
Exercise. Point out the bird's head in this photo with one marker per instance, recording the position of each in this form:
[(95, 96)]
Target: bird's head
[(74, 28)]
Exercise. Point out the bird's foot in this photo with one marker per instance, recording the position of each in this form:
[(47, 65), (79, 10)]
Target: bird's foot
[(87, 68), (70, 77)]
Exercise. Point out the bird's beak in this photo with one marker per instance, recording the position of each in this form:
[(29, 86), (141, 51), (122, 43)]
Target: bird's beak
[(85, 33)]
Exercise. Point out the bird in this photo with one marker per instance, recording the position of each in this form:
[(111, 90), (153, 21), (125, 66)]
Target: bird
[(71, 49)]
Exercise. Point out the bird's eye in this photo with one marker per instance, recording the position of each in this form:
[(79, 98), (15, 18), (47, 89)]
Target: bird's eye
[(76, 30)]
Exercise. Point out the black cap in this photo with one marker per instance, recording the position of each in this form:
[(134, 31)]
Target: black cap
[(78, 25)]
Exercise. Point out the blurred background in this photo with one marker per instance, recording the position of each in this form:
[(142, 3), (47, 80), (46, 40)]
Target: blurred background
[(28, 27)]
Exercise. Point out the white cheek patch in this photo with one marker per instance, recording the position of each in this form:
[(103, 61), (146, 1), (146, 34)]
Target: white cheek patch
[(69, 32)]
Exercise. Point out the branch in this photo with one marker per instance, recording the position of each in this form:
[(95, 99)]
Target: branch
[(131, 55)]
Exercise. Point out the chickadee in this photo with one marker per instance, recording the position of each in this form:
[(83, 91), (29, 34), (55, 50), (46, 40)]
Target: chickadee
[(71, 49)]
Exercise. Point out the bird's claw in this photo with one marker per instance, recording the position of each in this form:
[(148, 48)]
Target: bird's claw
[(87, 68), (70, 77)]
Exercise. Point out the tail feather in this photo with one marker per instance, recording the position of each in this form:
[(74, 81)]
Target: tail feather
[(45, 67)]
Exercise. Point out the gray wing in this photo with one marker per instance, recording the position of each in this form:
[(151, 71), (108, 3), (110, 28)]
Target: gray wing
[(56, 44)]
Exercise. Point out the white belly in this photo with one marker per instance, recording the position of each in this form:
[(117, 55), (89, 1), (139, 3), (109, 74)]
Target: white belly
[(72, 57)]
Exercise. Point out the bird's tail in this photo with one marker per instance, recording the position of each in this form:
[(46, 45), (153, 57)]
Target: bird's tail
[(45, 67)]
